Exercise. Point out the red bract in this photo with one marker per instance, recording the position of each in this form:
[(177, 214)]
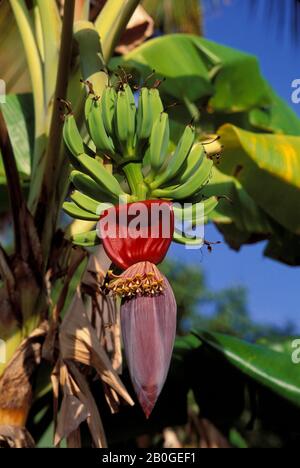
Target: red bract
[(148, 330), (137, 232), (148, 311)]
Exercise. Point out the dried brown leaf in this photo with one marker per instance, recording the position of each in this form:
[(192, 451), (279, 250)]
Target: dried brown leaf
[(79, 342), (15, 437), (72, 414), (139, 28), (85, 396)]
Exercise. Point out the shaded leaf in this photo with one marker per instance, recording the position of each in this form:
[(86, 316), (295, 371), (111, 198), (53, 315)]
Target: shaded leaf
[(276, 117), (273, 370), (19, 117)]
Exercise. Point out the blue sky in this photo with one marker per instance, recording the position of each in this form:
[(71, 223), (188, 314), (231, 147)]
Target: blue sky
[(273, 295)]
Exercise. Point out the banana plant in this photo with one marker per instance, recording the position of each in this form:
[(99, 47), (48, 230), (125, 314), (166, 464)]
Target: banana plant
[(84, 126), (136, 141), (58, 52)]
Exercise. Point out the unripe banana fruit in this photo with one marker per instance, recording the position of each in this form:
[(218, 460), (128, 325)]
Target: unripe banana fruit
[(72, 136), (189, 188), (159, 142), (178, 158)]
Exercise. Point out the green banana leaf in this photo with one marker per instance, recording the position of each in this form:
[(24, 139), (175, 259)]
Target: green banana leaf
[(201, 73), (19, 117), (175, 58), (275, 118), (272, 369), (268, 167)]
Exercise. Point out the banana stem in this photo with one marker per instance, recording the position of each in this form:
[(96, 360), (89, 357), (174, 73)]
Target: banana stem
[(51, 28), (135, 178), (46, 222)]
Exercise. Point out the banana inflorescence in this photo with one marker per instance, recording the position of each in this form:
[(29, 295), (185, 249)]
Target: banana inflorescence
[(129, 134)]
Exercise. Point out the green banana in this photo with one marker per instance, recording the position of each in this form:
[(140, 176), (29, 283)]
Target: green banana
[(156, 104), (86, 239), (88, 106), (97, 171), (86, 203), (97, 131), (144, 115), (89, 187), (178, 158), (189, 188), (75, 212), (131, 124), (180, 239), (191, 164), (125, 116), (159, 142), (72, 137), (190, 213), (109, 98)]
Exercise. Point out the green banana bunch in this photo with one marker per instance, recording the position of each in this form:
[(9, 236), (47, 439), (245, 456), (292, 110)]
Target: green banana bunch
[(190, 187), (87, 239), (159, 143), (95, 125), (125, 118), (136, 139), (178, 158)]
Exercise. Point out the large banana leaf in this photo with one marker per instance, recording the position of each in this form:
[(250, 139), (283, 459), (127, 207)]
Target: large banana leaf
[(175, 58), (272, 369), (215, 78), (268, 167)]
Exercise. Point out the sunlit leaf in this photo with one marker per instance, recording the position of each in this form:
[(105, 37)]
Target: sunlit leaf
[(268, 167)]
